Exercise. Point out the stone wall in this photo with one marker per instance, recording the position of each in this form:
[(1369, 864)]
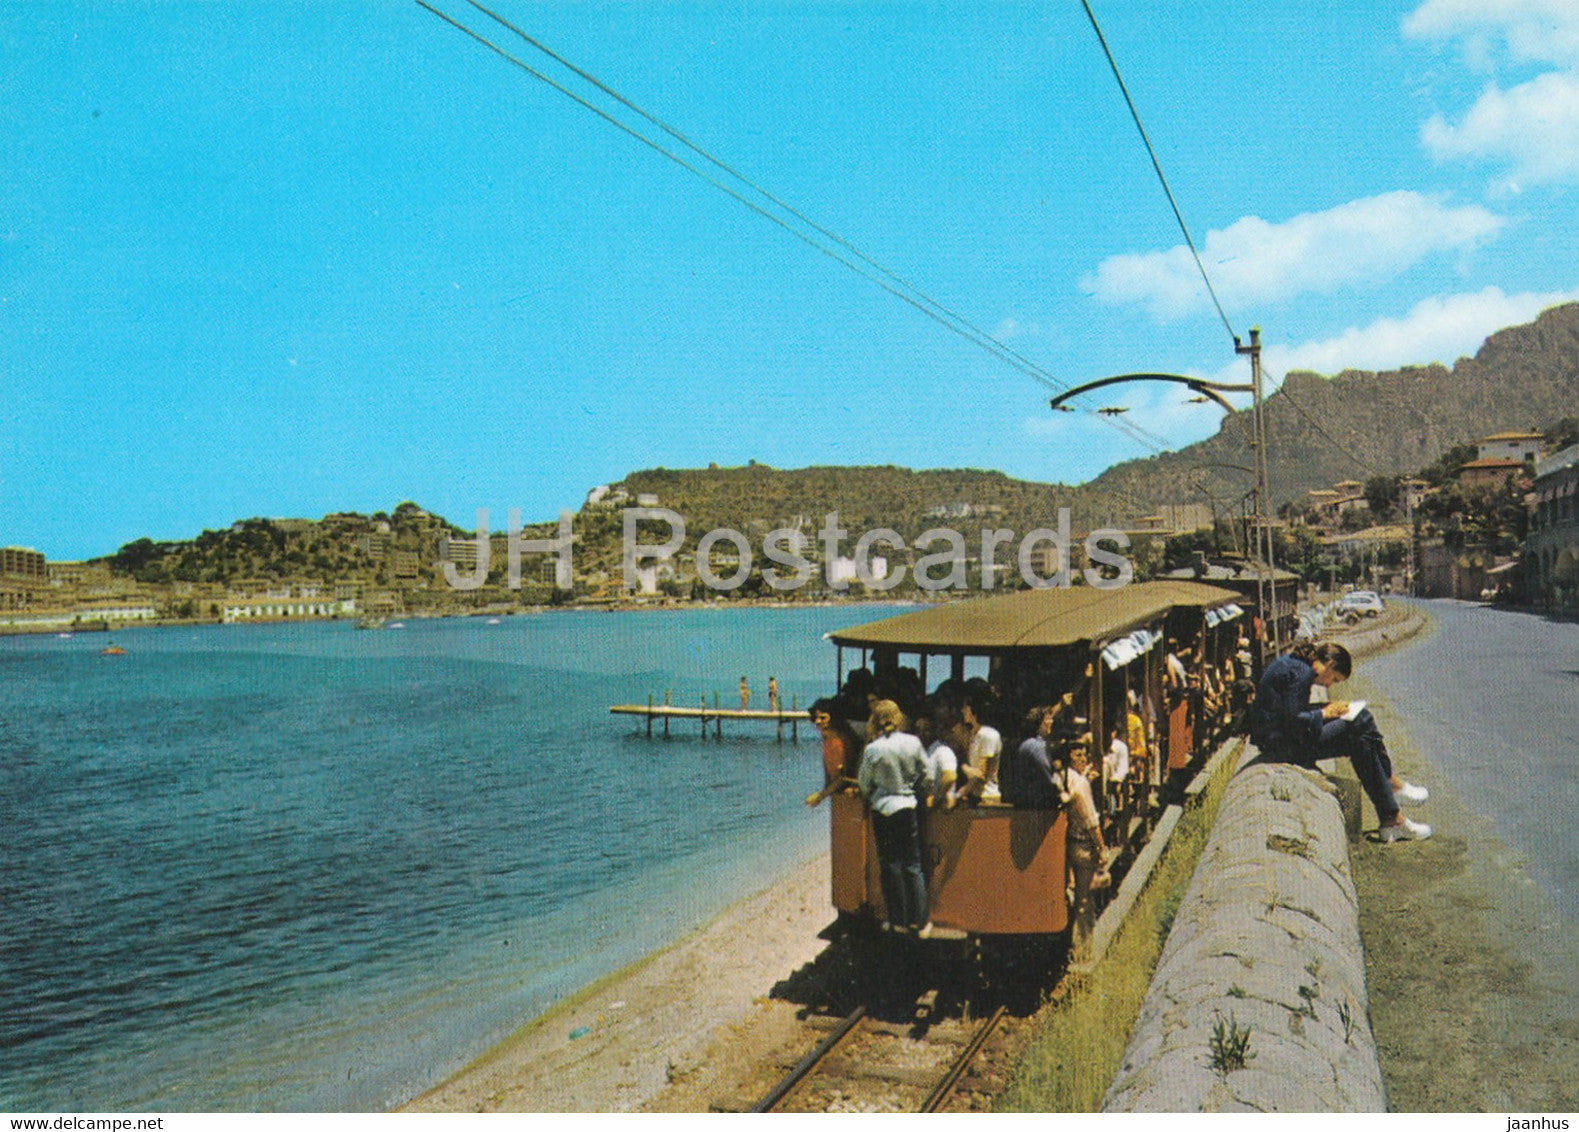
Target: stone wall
[(1258, 1002)]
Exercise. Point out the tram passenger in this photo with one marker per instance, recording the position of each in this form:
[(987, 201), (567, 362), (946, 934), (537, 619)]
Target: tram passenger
[(841, 751), (984, 744), (1174, 673), (1084, 848), (1115, 769), (1288, 728), (945, 763), (1028, 776), (1140, 753), (895, 778), (1240, 696), (855, 699)]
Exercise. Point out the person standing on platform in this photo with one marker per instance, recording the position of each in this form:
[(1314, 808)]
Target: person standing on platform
[(773, 693), (841, 751), (985, 745), (895, 780), (745, 694), (945, 763), (1083, 846)]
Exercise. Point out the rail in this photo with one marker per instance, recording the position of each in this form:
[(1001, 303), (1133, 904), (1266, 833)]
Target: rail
[(842, 1034)]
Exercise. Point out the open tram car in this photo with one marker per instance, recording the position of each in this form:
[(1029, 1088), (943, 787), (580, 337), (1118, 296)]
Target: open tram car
[(995, 869)]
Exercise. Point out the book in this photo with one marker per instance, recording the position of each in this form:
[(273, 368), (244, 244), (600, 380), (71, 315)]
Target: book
[(1355, 708)]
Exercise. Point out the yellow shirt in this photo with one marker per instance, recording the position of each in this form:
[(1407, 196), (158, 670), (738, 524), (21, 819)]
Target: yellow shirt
[(1137, 736)]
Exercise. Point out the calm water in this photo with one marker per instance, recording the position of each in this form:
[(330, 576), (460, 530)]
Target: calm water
[(304, 867)]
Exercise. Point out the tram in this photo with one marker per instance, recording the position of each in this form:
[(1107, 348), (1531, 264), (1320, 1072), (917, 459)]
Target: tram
[(996, 869)]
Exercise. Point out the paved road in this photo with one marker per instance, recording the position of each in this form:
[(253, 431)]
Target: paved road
[(1492, 698)]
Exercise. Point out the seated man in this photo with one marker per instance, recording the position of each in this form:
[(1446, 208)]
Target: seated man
[(1287, 728)]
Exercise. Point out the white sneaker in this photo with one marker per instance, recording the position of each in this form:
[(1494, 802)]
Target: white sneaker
[(1411, 795), (1405, 830)]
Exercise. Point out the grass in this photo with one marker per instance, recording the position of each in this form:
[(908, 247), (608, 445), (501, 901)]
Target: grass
[(1230, 1044), (1080, 1043)]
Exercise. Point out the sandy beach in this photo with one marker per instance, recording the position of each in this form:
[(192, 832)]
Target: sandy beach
[(658, 1029)]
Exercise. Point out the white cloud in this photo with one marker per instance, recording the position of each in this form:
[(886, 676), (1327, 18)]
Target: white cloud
[(1533, 126), (1441, 329), (1253, 261), (1543, 31)]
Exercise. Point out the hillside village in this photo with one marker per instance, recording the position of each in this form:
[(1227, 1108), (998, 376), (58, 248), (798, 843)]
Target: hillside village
[(1432, 480), (1492, 519)]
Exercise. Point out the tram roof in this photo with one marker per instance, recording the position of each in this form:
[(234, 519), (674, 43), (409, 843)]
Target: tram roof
[(1039, 618)]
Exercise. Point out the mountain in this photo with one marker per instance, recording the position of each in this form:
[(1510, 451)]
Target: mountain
[(1321, 430), (1388, 422)]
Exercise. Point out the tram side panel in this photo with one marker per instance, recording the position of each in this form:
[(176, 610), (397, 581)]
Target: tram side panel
[(991, 870)]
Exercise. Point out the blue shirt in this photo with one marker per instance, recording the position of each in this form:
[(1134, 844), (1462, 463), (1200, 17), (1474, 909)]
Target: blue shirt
[(1282, 719), (1029, 780)]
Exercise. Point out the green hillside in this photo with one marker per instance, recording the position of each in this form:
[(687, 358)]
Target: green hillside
[(1389, 422)]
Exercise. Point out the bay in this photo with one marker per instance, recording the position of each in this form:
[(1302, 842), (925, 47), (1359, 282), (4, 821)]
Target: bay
[(302, 867)]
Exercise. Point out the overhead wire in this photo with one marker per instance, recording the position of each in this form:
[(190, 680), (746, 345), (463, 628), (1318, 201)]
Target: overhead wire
[(1157, 166), (899, 287), (1184, 228)]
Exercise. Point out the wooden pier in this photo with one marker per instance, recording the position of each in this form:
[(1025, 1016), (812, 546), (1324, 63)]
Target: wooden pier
[(666, 711)]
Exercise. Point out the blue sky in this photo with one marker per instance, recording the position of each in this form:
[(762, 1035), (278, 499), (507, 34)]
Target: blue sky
[(283, 259)]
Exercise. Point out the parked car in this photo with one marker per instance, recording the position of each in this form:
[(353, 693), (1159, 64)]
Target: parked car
[(1364, 602)]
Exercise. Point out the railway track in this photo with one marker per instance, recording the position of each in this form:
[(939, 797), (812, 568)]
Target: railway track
[(868, 1064)]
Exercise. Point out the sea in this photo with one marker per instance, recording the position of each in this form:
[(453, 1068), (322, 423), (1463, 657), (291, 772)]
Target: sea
[(303, 867)]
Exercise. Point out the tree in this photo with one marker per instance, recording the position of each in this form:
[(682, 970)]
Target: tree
[(1563, 434), (1354, 520), (1381, 495)]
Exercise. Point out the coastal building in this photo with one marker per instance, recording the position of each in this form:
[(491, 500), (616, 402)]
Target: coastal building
[(460, 551), (83, 577), (1410, 493), (1464, 573), (1519, 445), (1551, 550), (403, 564), (278, 608), (1328, 505), (24, 577), (1181, 518), (1488, 473), (841, 572), (116, 612)]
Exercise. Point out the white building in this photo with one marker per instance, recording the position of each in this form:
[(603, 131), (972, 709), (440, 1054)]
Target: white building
[(1519, 445), (278, 608)]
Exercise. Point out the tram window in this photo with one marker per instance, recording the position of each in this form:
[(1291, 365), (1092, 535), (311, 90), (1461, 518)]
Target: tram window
[(939, 669), (978, 666)]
